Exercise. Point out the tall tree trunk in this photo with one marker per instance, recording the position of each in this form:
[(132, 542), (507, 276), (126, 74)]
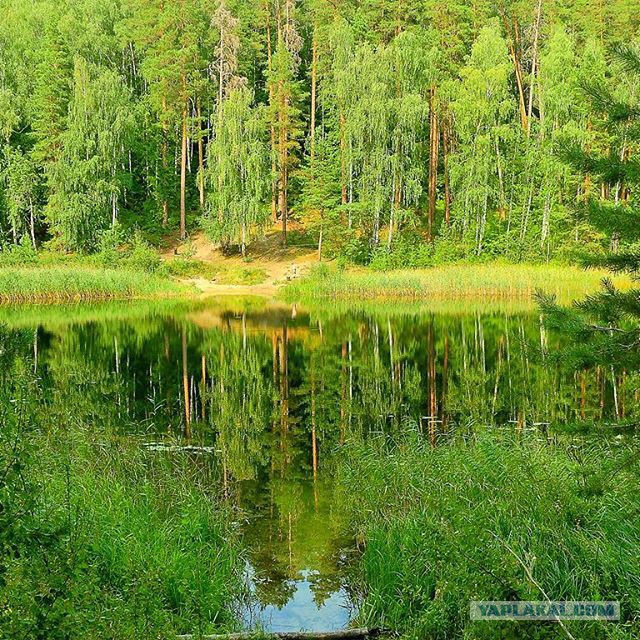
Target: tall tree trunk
[(220, 115), (343, 162), (274, 167), (183, 174), (284, 159), (513, 41), (165, 161), (314, 69), (200, 155), (447, 187), (534, 63), (395, 205), (433, 159), (114, 210), (32, 223)]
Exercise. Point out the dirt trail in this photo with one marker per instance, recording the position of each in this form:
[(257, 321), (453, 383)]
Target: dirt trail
[(280, 265)]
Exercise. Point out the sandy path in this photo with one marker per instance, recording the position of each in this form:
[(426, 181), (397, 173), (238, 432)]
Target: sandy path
[(281, 266)]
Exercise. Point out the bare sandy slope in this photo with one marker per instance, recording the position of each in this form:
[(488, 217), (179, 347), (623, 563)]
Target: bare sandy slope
[(280, 265)]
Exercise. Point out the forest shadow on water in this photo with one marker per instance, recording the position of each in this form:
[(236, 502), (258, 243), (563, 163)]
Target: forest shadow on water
[(265, 401)]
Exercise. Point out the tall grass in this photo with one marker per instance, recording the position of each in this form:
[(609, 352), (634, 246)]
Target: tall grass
[(98, 537), (70, 283), (129, 545), (494, 519), (452, 282)]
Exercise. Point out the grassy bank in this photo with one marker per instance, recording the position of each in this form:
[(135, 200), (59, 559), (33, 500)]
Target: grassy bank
[(498, 518), (99, 538), (452, 282), (119, 544), (70, 283)]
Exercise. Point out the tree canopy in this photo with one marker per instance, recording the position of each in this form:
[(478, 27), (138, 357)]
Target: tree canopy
[(439, 127)]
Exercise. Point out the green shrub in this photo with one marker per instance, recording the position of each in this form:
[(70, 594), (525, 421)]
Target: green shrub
[(408, 251), (109, 253), (18, 254), (189, 268), (243, 275), (142, 257)]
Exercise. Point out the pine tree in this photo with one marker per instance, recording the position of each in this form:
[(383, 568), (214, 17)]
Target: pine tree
[(53, 87), (606, 326), (285, 116), (170, 36)]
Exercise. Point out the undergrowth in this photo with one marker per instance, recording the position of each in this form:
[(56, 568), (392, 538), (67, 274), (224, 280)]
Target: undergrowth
[(494, 518), (99, 538)]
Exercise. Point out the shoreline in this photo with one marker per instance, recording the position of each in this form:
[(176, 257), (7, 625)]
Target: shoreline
[(462, 283)]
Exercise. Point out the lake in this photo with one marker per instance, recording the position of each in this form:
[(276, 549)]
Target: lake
[(264, 396)]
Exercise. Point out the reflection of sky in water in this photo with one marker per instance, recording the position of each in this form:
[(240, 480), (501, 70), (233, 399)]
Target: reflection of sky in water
[(296, 555), (302, 612)]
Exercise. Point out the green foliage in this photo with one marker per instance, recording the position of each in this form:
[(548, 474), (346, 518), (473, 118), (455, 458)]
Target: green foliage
[(237, 172), (18, 254), (409, 250), (190, 268), (128, 111), (243, 275), (493, 518), (142, 257), (101, 539), (606, 325), (482, 108), (88, 179)]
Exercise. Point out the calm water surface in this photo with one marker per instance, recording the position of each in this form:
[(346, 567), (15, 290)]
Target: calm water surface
[(264, 395)]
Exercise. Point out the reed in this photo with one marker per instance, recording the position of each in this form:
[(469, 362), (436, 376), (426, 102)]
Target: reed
[(442, 526), (490, 282), (75, 283)]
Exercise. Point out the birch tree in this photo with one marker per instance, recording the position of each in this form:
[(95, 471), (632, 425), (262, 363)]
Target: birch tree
[(482, 109), (237, 171)]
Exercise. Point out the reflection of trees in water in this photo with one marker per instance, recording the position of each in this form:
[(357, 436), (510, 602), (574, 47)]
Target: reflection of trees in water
[(276, 396), (279, 393), (290, 537)]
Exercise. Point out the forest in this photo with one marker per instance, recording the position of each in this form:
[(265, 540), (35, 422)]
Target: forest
[(319, 318), (392, 132)]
